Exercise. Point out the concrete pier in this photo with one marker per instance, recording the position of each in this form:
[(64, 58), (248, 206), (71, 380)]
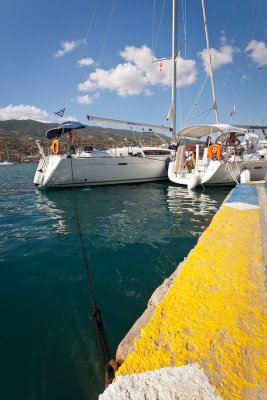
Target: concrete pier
[(207, 336)]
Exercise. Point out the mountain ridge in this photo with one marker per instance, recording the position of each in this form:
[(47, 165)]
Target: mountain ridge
[(18, 138), (32, 128)]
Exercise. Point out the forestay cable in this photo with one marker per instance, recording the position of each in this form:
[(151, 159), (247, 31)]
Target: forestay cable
[(107, 32)]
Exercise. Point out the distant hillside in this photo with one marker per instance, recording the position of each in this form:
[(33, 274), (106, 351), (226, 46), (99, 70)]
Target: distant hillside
[(37, 129), (24, 128), (18, 138)]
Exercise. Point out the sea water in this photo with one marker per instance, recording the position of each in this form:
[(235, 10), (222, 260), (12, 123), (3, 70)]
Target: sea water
[(134, 237)]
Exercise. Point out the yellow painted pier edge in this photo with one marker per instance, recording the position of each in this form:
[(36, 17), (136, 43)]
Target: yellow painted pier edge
[(213, 314)]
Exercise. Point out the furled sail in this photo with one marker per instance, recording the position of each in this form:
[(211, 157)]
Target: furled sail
[(170, 115)]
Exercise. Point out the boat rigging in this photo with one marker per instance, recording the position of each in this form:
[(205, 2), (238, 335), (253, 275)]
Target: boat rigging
[(228, 165)]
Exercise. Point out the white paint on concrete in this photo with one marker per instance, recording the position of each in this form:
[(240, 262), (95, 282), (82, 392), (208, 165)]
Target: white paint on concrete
[(241, 205), (188, 382)]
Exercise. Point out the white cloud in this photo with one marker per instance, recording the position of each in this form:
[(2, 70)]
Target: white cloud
[(86, 99), (68, 46), (218, 57), (244, 77), (85, 62), (138, 74), (126, 79), (142, 58), (186, 72), (22, 112), (258, 52)]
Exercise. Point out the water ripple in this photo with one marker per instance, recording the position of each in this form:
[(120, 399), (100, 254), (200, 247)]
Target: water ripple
[(134, 237)]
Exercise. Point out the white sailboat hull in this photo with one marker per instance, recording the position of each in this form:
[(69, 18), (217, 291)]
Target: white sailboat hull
[(62, 171), (228, 173), (220, 173)]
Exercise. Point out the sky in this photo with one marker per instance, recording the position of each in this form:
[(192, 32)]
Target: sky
[(96, 57)]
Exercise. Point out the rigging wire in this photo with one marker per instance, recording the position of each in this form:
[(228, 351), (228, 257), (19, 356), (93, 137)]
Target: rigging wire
[(81, 54), (197, 99), (228, 19), (184, 22), (189, 118), (199, 115), (184, 43), (178, 91), (153, 47), (230, 14), (257, 19), (256, 10), (259, 75), (160, 21), (245, 40), (207, 114), (107, 32), (179, 104), (153, 25), (257, 97), (150, 107)]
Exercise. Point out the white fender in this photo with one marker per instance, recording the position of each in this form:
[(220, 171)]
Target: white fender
[(245, 176)]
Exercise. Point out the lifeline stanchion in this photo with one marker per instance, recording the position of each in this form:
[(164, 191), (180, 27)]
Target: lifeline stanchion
[(109, 364)]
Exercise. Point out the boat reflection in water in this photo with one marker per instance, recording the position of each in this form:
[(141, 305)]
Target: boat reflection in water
[(149, 213), (134, 237), (194, 210), (110, 216)]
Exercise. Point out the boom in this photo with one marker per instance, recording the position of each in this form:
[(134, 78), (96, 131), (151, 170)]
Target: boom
[(128, 123)]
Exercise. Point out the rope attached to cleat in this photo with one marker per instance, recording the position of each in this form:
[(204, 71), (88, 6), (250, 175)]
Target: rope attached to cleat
[(110, 365)]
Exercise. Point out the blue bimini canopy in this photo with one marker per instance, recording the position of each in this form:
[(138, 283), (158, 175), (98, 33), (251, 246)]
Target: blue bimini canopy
[(63, 128)]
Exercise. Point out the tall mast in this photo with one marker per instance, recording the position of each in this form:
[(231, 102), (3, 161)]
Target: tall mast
[(174, 53), (211, 71)]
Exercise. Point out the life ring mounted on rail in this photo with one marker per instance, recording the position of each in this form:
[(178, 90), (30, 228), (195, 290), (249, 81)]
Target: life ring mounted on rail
[(215, 150), (55, 147)]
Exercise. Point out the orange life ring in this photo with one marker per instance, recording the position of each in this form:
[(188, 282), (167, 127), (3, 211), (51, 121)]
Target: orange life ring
[(215, 150), (55, 147)]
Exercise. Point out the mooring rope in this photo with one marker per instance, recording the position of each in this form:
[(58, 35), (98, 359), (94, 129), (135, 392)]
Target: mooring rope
[(109, 364)]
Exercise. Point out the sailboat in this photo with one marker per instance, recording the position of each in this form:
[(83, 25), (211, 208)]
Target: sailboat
[(238, 154), (7, 161), (90, 167), (220, 164)]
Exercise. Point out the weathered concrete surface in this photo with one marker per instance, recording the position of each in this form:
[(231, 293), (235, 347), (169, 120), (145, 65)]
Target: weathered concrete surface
[(174, 383), (213, 314)]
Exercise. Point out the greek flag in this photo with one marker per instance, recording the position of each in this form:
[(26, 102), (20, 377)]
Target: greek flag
[(60, 113)]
